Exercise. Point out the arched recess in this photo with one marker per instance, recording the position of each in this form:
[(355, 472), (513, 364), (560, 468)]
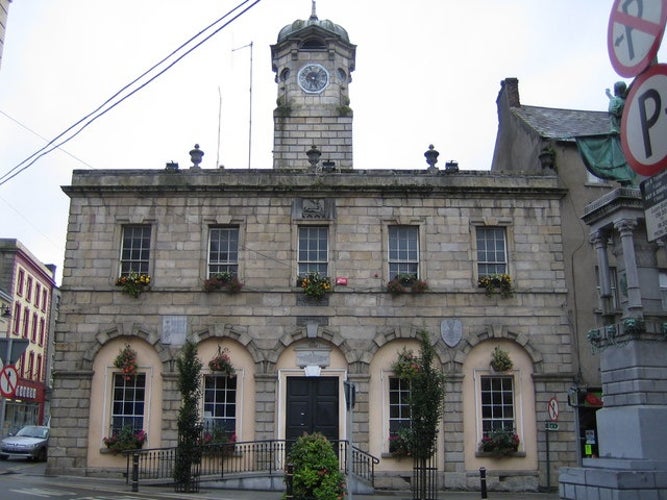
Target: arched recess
[(312, 357), (383, 352), (136, 331), (244, 364), (102, 395), (498, 332), (320, 332), (489, 395), (383, 337)]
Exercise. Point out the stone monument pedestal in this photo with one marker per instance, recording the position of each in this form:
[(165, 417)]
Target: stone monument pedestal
[(632, 427)]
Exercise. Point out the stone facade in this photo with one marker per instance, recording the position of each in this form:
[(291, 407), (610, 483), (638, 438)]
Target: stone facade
[(359, 325)]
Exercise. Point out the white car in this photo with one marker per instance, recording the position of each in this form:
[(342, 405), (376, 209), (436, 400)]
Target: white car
[(31, 443)]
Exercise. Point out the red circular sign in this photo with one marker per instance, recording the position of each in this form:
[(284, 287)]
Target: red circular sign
[(644, 122), (634, 34), (8, 380)]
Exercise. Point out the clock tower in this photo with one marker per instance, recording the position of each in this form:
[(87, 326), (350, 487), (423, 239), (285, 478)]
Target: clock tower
[(313, 61)]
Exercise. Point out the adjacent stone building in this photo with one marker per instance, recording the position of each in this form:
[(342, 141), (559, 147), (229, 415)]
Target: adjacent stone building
[(235, 261), (28, 317)]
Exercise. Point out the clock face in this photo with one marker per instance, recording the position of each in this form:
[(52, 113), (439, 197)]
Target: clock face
[(313, 78)]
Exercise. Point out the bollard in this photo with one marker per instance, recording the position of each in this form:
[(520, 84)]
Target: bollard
[(135, 472), (482, 481)]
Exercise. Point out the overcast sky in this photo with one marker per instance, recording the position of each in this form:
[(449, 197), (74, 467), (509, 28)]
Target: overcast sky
[(427, 72)]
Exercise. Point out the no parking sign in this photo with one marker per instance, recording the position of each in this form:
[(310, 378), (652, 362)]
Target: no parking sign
[(635, 33), (8, 381)]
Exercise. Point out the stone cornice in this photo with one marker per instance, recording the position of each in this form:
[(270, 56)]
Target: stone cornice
[(337, 183)]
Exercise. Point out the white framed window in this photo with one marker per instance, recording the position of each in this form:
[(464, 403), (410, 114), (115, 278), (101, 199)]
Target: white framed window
[(497, 403), (491, 250), (399, 409), (220, 404), (223, 250), (135, 250), (313, 250), (128, 402), (403, 250)]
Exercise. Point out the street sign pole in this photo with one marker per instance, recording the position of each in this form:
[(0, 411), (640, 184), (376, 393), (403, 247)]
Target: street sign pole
[(13, 349)]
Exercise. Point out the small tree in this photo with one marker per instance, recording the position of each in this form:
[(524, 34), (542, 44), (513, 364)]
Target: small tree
[(427, 397), (189, 428)]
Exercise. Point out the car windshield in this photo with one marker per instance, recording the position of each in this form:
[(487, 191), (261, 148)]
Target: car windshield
[(33, 431)]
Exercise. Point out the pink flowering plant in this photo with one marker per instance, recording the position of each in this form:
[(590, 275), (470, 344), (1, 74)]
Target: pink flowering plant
[(500, 442), (126, 361), (223, 281), (222, 362), (406, 365), (125, 439)]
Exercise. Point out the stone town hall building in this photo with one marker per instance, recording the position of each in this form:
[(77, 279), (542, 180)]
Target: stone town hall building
[(292, 354)]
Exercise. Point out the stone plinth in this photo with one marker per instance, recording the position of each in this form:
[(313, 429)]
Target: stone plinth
[(631, 428)]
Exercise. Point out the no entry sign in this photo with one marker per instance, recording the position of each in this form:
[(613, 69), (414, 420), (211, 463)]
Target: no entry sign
[(644, 123), (634, 34)]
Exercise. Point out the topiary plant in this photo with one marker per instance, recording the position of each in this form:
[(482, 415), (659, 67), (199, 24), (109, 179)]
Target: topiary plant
[(317, 473)]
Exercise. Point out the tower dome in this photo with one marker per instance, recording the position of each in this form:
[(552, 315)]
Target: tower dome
[(298, 25)]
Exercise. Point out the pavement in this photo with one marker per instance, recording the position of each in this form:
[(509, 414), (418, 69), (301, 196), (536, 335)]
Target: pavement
[(206, 492)]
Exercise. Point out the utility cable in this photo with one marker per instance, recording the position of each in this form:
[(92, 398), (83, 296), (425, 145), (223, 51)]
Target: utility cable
[(22, 125), (48, 148)]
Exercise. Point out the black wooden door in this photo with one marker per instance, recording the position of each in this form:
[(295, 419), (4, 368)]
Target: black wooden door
[(312, 406)]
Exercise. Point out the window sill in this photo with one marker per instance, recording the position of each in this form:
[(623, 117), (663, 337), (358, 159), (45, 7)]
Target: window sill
[(489, 454), (386, 455)]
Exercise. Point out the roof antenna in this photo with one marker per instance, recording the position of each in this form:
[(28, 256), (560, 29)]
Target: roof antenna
[(313, 14)]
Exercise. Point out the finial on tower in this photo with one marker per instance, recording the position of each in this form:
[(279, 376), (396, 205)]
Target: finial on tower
[(313, 14)]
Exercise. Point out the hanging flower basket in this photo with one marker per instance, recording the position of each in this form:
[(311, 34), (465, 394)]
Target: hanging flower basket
[(406, 365), (126, 439), (315, 285), (406, 283), (222, 363), (500, 284), (133, 283), (223, 281), (127, 362), (500, 360), (500, 443)]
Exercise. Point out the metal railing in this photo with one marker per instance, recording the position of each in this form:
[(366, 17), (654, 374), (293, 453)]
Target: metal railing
[(213, 462)]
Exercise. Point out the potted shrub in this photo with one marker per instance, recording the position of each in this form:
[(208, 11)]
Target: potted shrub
[(316, 471)]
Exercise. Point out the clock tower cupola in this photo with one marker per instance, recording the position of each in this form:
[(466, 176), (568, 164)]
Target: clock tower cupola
[(313, 61)]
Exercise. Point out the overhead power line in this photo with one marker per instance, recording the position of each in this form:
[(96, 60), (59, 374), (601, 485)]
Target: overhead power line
[(109, 104)]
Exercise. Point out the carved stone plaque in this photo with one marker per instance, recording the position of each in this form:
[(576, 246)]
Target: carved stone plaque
[(317, 357), (451, 331), (174, 330)]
